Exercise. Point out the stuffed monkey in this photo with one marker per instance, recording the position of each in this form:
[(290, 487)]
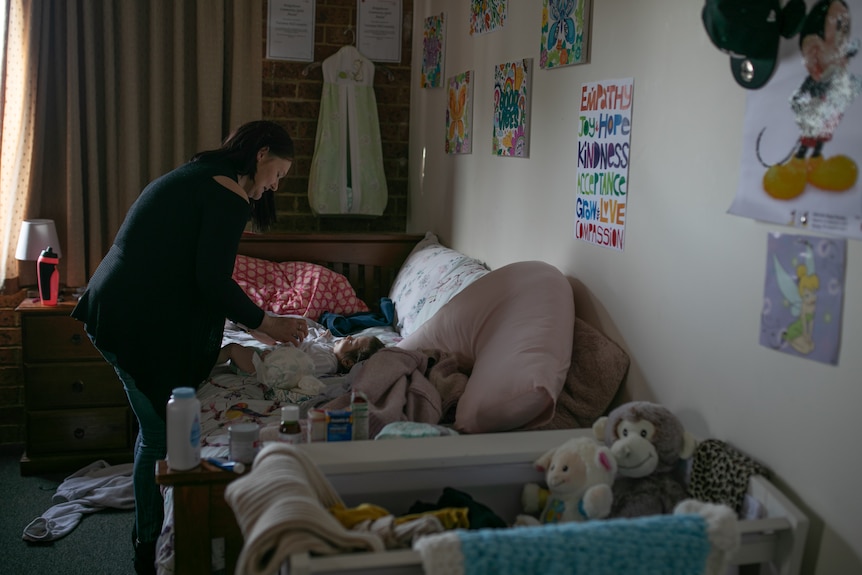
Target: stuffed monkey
[(648, 442)]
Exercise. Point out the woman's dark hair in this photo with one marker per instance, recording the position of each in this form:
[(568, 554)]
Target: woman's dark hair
[(240, 150)]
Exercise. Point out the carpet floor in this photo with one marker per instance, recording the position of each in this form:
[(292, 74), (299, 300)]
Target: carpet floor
[(100, 544)]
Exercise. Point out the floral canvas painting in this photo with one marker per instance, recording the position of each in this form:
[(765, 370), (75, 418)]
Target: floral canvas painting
[(512, 108), (433, 44), (459, 114), (487, 15), (565, 33)]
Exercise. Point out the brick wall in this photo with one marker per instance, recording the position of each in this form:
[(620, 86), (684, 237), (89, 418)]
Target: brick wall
[(293, 100)]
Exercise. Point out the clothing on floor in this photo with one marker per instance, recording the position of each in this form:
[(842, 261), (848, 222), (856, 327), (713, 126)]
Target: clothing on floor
[(95, 487)]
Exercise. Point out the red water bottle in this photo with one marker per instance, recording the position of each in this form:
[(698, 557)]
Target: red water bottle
[(49, 277)]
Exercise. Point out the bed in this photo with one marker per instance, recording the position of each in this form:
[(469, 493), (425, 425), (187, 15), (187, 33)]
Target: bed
[(536, 370)]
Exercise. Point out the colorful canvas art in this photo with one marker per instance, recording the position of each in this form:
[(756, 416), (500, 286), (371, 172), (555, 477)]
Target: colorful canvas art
[(803, 297), (604, 150), (433, 54), (487, 15), (459, 114), (512, 109), (565, 33)]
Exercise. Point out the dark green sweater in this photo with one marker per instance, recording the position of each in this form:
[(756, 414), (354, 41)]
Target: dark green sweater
[(160, 297)]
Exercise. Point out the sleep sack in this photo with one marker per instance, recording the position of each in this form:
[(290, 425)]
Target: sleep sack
[(346, 176)]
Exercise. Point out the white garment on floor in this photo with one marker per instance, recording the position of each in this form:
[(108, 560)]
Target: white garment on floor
[(92, 488)]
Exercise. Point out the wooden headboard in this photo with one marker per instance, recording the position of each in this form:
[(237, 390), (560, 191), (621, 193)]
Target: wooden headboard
[(369, 261)]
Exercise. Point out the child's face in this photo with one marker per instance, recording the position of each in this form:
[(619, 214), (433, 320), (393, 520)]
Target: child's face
[(348, 344)]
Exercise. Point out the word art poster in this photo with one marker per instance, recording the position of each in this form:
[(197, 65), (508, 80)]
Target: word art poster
[(487, 15), (803, 297), (565, 33), (604, 136), (802, 133), (433, 44), (459, 114), (512, 109)]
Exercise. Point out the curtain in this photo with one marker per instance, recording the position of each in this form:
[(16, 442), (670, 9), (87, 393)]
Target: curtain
[(124, 92)]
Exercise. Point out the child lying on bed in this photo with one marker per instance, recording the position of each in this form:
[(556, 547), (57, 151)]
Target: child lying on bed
[(287, 367)]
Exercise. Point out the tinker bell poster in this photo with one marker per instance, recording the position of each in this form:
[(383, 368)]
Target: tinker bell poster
[(802, 138), (565, 33), (804, 296)]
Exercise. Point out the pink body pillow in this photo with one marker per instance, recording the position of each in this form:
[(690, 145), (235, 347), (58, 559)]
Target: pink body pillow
[(514, 325)]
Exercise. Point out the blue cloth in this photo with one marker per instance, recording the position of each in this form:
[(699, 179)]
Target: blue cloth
[(653, 545), (341, 325)]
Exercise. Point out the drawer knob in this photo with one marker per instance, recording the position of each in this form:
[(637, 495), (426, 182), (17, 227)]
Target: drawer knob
[(79, 433), (76, 339), (78, 386)]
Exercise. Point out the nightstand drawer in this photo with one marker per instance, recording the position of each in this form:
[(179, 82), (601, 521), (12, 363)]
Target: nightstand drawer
[(69, 385), (78, 430), (55, 338)]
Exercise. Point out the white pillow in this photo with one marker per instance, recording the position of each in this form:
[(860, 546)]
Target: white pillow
[(431, 275)]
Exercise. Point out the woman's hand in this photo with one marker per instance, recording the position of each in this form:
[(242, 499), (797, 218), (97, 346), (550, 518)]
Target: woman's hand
[(284, 329)]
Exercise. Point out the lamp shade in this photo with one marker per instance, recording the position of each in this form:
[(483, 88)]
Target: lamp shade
[(36, 236)]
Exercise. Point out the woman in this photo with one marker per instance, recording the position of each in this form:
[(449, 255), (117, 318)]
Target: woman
[(168, 276)]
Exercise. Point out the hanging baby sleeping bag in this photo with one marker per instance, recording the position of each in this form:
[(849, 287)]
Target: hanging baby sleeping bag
[(347, 168)]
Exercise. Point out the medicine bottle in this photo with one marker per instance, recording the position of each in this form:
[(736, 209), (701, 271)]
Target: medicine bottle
[(359, 407), (290, 431), (184, 429)]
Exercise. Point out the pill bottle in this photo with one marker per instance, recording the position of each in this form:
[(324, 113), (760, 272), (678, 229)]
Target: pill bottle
[(359, 407), (316, 425), (183, 421), (290, 431)]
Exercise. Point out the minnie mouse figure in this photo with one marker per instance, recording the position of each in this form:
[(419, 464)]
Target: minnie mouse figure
[(819, 105)]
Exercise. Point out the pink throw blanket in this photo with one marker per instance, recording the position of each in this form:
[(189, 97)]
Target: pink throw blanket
[(408, 385)]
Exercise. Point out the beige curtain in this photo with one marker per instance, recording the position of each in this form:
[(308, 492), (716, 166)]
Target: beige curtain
[(125, 92)]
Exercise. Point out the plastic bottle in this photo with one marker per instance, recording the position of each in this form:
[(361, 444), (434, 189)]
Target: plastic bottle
[(244, 441), (316, 425), (359, 407), (49, 277), (184, 429), (290, 431)]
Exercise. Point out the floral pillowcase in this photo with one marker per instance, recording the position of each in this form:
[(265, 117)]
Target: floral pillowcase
[(428, 279)]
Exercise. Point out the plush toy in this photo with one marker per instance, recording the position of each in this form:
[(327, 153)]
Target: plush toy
[(648, 443), (578, 474)]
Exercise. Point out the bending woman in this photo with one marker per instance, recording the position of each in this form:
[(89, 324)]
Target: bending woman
[(170, 268)]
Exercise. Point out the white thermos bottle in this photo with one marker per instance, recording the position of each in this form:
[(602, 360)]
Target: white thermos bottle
[(184, 429)]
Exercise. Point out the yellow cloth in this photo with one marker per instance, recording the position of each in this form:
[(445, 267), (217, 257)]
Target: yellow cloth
[(449, 517)]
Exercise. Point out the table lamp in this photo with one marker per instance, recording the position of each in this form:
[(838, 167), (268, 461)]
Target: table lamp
[(38, 242)]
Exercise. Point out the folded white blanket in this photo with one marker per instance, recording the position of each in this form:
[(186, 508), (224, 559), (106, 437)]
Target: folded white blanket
[(282, 505)]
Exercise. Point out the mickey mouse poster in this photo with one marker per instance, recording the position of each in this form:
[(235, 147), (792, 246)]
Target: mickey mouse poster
[(802, 141)]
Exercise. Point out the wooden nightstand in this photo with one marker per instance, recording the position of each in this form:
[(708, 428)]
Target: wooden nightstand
[(76, 408)]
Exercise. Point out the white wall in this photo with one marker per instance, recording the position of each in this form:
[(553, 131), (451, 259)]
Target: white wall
[(684, 297)]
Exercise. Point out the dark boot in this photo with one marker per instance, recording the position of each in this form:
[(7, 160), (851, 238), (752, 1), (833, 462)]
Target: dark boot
[(145, 557)]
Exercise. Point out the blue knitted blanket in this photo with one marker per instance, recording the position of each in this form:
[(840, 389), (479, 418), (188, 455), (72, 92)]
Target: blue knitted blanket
[(653, 545)]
